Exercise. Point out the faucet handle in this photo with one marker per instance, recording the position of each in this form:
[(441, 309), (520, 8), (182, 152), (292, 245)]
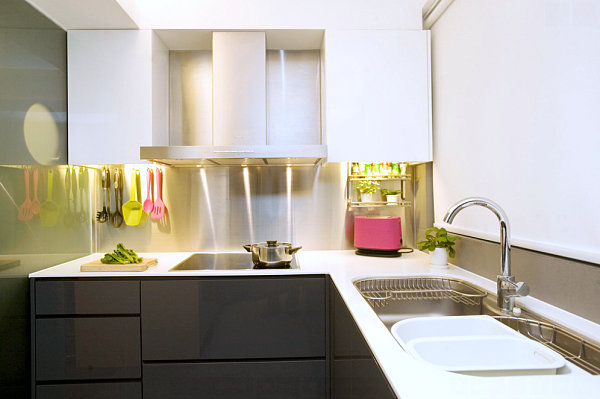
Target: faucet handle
[(513, 288), (521, 289)]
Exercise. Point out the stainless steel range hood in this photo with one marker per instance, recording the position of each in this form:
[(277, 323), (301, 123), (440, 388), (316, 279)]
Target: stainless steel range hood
[(235, 96), (265, 155)]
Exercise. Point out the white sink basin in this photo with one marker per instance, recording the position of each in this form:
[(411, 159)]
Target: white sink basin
[(475, 345)]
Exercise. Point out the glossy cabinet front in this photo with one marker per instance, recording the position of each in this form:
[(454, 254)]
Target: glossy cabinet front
[(86, 338), (290, 379), (355, 372), (217, 337), (233, 318), (87, 348)]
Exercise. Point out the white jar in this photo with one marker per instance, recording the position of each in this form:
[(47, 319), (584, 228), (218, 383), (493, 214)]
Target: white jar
[(439, 258), (366, 197)]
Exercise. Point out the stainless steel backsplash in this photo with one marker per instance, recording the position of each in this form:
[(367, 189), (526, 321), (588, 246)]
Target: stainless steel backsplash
[(222, 208)]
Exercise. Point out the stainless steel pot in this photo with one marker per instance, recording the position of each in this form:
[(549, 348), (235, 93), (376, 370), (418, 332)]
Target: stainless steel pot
[(271, 253)]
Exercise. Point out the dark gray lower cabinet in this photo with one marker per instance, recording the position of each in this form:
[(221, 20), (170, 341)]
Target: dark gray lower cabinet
[(217, 337), (355, 373), (294, 379), (112, 390)]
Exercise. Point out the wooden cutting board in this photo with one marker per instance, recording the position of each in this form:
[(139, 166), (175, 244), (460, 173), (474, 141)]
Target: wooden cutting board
[(97, 266)]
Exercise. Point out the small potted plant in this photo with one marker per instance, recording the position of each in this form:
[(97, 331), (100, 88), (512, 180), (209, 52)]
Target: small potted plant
[(440, 245), (391, 196), (366, 189)]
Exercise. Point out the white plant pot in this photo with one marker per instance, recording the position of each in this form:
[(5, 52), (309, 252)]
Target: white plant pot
[(395, 198), (366, 197), (439, 258)]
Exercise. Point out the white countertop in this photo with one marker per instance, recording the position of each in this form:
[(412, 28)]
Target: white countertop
[(408, 377)]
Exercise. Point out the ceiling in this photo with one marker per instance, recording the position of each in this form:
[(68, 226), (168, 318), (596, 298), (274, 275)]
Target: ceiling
[(226, 14)]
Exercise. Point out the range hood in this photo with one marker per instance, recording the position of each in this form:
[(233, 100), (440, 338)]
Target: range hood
[(239, 114), (265, 155)]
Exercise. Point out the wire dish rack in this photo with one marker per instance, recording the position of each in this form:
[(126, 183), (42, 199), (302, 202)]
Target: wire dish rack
[(573, 348), (380, 291)]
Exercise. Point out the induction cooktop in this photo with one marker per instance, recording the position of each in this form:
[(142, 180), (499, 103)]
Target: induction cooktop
[(225, 261)]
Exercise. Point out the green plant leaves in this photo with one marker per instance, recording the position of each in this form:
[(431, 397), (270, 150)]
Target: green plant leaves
[(438, 238)]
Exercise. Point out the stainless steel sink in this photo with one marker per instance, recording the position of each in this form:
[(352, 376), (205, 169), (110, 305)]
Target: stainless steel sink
[(398, 298)]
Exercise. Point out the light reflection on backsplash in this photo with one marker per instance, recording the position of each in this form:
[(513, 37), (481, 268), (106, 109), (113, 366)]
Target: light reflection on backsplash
[(60, 229), (222, 208)]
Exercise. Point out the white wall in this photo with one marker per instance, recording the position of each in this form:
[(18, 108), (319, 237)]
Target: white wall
[(516, 92)]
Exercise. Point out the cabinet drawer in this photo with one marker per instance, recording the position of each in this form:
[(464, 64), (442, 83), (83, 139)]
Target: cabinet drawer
[(242, 318), (87, 348), (87, 297), (115, 390), (236, 380)]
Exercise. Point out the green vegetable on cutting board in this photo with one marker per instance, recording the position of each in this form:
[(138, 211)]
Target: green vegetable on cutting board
[(121, 255)]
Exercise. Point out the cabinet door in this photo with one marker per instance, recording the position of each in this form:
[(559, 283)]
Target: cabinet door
[(236, 380), (377, 95), (241, 318), (106, 390), (355, 372), (87, 348), (117, 95)]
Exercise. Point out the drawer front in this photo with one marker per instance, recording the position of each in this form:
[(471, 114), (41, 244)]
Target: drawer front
[(236, 380), (115, 390), (87, 348), (239, 318), (87, 297)]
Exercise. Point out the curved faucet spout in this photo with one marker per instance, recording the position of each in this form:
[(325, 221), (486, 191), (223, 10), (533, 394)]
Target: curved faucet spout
[(508, 289), (502, 218)]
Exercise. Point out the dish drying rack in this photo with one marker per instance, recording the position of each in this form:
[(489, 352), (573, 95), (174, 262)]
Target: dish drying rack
[(380, 291), (573, 348)]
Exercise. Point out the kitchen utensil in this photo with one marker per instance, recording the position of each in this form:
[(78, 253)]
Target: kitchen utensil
[(25, 210), (159, 206), (107, 188), (103, 215), (271, 254), (149, 203), (49, 211), (35, 204), (117, 217), (132, 209), (98, 266), (138, 187), (68, 217)]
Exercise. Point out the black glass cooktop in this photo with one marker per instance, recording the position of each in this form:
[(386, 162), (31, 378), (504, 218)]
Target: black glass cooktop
[(224, 261)]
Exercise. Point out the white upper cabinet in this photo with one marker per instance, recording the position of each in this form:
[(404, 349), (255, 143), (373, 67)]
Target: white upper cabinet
[(117, 95), (377, 103)]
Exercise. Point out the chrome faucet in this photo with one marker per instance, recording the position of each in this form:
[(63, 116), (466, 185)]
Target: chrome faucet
[(507, 288)]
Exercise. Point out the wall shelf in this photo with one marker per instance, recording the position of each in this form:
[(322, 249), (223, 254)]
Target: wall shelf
[(386, 181), (373, 204)]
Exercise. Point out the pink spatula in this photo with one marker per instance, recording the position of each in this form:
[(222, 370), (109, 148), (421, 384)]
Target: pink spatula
[(159, 206), (26, 209), (149, 203)]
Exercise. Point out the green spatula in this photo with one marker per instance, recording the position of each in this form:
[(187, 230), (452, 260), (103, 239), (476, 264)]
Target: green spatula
[(132, 209), (49, 211)]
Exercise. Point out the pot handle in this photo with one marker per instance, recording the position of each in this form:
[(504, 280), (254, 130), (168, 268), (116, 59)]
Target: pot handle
[(294, 250), (248, 247)]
